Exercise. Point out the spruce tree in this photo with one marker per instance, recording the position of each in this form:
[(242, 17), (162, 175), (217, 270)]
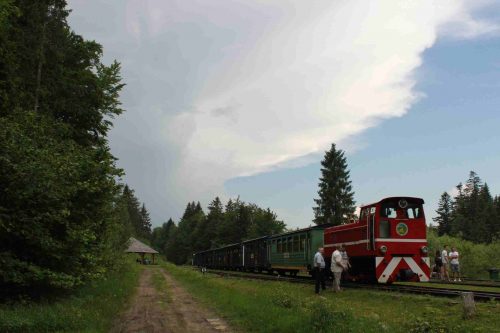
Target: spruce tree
[(214, 218), (145, 226), (336, 198), (444, 214), (486, 217)]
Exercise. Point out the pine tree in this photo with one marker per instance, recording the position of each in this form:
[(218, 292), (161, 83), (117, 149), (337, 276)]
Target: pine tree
[(336, 198), (134, 211), (145, 223), (444, 214), (486, 217), (214, 218), (495, 228), (232, 229)]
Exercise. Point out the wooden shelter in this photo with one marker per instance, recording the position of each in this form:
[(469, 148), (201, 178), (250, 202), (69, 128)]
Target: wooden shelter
[(136, 246)]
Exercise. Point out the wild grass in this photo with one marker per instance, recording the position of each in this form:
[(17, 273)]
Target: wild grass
[(266, 306), (161, 286), (92, 308)]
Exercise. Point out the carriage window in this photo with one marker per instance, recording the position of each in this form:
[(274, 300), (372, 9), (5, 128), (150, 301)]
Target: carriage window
[(296, 244), (302, 242), (279, 249), (289, 244)]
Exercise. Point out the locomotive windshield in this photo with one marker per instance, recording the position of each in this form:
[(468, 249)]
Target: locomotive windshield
[(401, 209)]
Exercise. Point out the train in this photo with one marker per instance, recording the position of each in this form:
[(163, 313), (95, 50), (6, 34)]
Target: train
[(387, 243)]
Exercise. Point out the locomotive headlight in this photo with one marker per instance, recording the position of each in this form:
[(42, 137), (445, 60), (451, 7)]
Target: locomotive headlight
[(424, 249), (383, 249)]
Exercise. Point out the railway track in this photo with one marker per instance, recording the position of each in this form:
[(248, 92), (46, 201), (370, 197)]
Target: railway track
[(444, 292), (467, 282)]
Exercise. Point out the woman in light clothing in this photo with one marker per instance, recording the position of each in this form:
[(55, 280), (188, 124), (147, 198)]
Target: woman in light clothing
[(337, 267), (444, 261)]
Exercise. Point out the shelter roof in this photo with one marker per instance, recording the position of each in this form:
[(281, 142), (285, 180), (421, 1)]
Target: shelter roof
[(136, 246)]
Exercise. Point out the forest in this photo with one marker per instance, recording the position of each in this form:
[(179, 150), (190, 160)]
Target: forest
[(63, 221), (472, 214), (221, 225)]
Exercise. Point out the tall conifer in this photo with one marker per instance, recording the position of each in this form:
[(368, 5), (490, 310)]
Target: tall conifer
[(444, 217), (336, 198)]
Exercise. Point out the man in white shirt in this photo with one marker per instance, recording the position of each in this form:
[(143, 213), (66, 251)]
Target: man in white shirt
[(337, 267), (454, 264), (444, 260), (319, 269)]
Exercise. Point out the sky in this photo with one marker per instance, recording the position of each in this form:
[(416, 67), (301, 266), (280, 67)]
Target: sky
[(242, 98)]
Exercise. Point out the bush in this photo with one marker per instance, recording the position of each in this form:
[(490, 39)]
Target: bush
[(57, 224), (282, 298), (475, 259)]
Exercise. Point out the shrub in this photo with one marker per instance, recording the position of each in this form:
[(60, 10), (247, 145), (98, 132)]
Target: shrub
[(475, 259)]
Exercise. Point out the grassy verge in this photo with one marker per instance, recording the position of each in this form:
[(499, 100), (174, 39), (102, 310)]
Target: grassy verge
[(262, 306), (161, 286), (91, 308)]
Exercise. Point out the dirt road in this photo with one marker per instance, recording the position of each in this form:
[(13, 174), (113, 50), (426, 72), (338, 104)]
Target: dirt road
[(164, 306)]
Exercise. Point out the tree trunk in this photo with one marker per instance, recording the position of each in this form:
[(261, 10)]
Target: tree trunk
[(41, 58)]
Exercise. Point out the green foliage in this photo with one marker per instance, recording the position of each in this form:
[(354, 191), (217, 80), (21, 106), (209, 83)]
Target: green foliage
[(198, 232), (475, 258), (444, 212), (62, 218), (281, 297), (56, 212), (419, 325), (336, 198), (138, 216), (92, 308), (473, 214), (161, 234)]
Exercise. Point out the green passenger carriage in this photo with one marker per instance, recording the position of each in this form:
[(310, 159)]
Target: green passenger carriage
[(293, 251)]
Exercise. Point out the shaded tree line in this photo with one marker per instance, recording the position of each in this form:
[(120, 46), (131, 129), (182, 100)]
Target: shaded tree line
[(473, 214), (62, 210), (221, 225)]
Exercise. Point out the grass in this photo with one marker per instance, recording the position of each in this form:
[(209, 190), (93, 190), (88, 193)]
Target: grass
[(161, 286), (266, 306), (92, 308)]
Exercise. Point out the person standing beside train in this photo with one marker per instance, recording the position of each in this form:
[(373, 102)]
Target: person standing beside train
[(345, 258), (319, 269), (444, 261), (454, 264), (337, 267), (438, 264)]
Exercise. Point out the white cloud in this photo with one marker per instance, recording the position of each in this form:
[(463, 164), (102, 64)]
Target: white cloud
[(321, 74), (218, 89)]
